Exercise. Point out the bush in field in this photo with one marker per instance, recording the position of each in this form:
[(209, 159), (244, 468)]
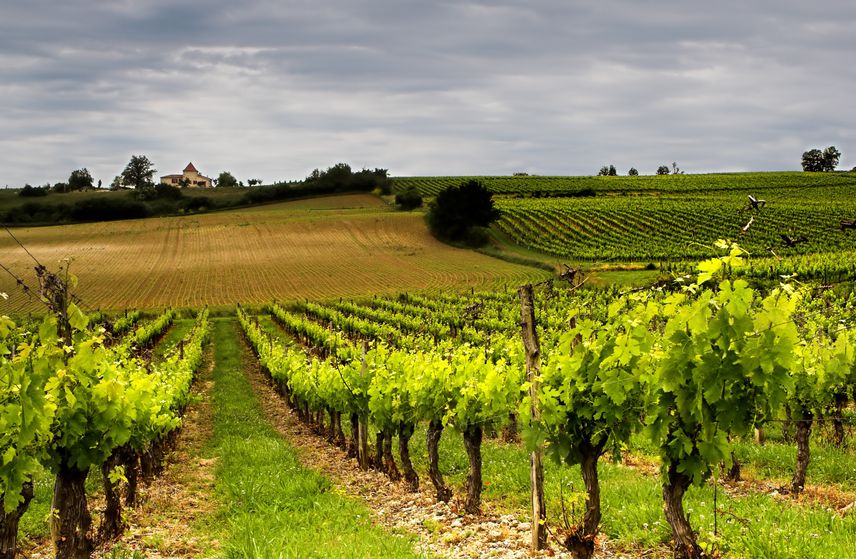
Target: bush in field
[(663, 170), (80, 179), (409, 199), (33, 191), (457, 210), (106, 209)]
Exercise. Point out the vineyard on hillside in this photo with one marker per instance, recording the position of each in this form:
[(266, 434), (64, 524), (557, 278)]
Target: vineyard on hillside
[(537, 186), (647, 228), (679, 377), (705, 379), (662, 219)]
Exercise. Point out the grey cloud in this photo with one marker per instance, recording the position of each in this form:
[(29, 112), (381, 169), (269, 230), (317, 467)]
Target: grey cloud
[(273, 89)]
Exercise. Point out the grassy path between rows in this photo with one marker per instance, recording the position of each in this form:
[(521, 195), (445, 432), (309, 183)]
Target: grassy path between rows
[(271, 506)]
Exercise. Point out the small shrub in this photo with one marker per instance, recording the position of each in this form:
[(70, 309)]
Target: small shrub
[(107, 209), (409, 199), (32, 192)]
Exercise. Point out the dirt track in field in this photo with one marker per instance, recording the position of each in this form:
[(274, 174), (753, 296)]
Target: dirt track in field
[(326, 247)]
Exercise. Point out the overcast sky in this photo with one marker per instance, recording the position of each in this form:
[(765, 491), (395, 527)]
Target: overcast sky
[(272, 89)]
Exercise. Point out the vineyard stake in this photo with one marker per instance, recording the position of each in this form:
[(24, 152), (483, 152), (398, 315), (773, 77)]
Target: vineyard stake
[(363, 427), (533, 372)]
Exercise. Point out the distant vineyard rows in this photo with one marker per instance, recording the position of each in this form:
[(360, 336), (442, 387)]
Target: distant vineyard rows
[(552, 186), (669, 228)]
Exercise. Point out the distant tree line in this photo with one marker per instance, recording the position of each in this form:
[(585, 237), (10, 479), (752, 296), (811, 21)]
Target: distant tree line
[(148, 198), (611, 171)]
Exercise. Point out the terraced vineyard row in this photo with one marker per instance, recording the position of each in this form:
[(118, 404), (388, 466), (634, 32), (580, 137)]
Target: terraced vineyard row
[(647, 228), (557, 186)]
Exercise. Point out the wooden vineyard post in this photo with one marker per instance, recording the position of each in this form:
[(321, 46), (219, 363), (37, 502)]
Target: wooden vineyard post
[(533, 373), (362, 426)]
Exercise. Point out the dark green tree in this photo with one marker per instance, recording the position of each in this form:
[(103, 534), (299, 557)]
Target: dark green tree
[(458, 210), (812, 161), (663, 170), (139, 172), (816, 161), (831, 156), (633, 172), (80, 179), (226, 180)]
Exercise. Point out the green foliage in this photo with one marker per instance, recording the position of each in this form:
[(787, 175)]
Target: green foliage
[(159, 191), (593, 385), (409, 199), (825, 366), (226, 180), (663, 170), (340, 178), (80, 179), (816, 161), (30, 191), (457, 209), (726, 358), (28, 360), (138, 172)]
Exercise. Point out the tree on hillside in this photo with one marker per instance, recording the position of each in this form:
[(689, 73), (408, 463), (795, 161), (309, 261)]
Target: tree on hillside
[(139, 172), (80, 179), (831, 156), (633, 172), (817, 161), (226, 180), (254, 182), (607, 171), (458, 210), (663, 170)]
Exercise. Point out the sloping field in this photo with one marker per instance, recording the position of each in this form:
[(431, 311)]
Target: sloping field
[(330, 247)]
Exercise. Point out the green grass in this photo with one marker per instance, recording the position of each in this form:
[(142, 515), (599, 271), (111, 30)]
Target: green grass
[(753, 526), (272, 507), (180, 328), (775, 460)]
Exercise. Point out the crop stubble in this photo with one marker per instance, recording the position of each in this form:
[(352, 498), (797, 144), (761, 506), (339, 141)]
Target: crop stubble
[(341, 246)]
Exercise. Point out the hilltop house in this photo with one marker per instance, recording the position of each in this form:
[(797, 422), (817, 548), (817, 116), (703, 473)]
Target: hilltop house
[(190, 178)]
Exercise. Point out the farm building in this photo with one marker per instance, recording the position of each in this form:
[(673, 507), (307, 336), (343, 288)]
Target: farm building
[(190, 178)]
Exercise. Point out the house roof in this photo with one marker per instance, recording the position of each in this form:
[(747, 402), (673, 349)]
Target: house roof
[(190, 168)]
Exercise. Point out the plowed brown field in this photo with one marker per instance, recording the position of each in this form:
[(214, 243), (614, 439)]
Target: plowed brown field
[(327, 247)]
